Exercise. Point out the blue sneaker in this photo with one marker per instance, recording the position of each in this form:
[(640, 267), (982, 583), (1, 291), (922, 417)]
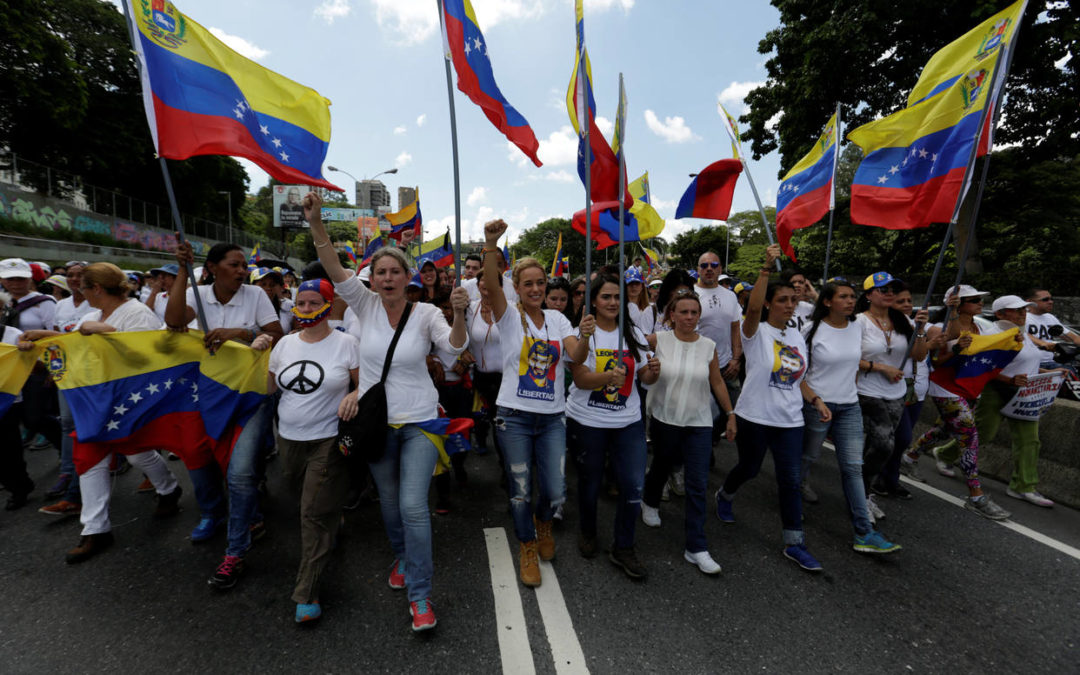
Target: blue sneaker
[(874, 542), (802, 558), (306, 613), (724, 509), (207, 528)]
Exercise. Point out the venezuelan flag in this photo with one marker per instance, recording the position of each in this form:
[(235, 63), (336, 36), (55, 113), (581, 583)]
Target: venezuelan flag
[(915, 160), (253, 259), (130, 392), (652, 258), (350, 252), (709, 194), (641, 219), (202, 98), (806, 193), (555, 272), (374, 245), (15, 367), (469, 53), (968, 372), (408, 218), (438, 251)]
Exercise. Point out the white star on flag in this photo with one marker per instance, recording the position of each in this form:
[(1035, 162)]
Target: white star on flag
[(264, 129), (893, 168), (112, 426), (239, 114), (120, 409), (168, 384), (152, 388), (276, 142), (468, 49), (135, 398), (284, 157), (923, 153), (882, 179), (476, 43)]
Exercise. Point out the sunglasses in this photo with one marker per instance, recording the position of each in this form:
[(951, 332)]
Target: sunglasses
[(886, 290), (578, 293), (706, 265), (1046, 299)]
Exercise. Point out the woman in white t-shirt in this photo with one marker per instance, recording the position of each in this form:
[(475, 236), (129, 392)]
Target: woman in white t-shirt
[(833, 344), (106, 288), (529, 421), (769, 409), (887, 335), (681, 424), (403, 473), (603, 416), (313, 370)]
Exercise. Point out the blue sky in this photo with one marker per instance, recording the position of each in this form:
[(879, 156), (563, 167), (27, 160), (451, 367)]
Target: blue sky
[(380, 63)]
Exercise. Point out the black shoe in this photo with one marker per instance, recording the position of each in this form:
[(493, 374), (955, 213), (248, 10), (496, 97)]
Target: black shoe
[(900, 492), (17, 500), (227, 574), (627, 560), (879, 488), (586, 545), (168, 505), (89, 546)]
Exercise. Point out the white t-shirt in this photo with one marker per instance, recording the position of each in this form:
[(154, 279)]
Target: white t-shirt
[(67, 314), (249, 308), (644, 319), (130, 316), (1039, 325), (801, 318), (881, 349), (533, 379), (484, 341), (313, 378), (834, 361), (38, 317), (719, 308), (285, 315), (410, 394), (1027, 361), (474, 291), (775, 365), (607, 408), (144, 293), (161, 302), (681, 396)]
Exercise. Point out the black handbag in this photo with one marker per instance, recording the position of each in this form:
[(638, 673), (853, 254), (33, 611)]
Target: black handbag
[(363, 438)]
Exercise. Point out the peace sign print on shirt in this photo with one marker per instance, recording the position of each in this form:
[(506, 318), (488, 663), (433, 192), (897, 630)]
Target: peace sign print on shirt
[(302, 377)]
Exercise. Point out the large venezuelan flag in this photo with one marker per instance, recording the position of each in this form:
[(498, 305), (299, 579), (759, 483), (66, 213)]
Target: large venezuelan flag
[(438, 251), (968, 372), (469, 52), (641, 219), (408, 218), (806, 193), (202, 98), (130, 392), (15, 367), (915, 159)]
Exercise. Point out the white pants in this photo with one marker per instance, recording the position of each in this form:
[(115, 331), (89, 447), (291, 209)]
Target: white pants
[(96, 487)]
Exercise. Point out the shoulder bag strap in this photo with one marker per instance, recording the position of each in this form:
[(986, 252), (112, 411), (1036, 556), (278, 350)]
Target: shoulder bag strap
[(393, 343)]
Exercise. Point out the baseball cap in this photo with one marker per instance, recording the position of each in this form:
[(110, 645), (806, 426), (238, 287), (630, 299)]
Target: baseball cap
[(11, 268), (633, 275), (723, 277), (1010, 302), (743, 286), (415, 281), (59, 282), (878, 280), (693, 274), (171, 268), (656, 283), (964, 291), (261, 272)]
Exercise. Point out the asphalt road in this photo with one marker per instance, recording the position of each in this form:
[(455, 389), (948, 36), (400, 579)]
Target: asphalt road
[(964, 595)]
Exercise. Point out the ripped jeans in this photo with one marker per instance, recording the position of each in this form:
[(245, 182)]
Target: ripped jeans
[(527, 438), (626, 445)]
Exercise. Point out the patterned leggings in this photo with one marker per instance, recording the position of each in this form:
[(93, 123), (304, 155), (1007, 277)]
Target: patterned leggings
[(956, 421)]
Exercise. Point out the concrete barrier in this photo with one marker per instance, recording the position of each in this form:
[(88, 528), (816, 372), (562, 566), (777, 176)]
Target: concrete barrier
[(1059, 456)]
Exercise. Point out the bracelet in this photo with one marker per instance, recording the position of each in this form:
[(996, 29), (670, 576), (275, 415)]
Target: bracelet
[(765, 270), (484, 251), (871, 368), (730, 412), (253, 334), (321, 244)]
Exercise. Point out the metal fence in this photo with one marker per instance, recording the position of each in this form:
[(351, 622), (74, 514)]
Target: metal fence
[(71, 188)]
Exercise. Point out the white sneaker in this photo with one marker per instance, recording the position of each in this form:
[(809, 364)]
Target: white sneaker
[(703, 560), (678, 482), (1033, 497), (943, 468), (649, 515), (876, 513), (665, 496)]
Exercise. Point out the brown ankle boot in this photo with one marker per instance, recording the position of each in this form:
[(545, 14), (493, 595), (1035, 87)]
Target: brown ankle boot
[(530, 565), (545, 541), (89, 546)]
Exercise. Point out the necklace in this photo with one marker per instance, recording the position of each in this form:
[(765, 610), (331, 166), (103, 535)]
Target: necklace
[(887, 333)]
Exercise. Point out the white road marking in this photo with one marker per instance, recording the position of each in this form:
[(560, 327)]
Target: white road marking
[(565, 647), (1034, 535), (509, 615)]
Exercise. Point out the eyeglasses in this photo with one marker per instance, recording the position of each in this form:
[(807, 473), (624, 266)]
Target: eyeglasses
[(1046, 299), (712, 265)]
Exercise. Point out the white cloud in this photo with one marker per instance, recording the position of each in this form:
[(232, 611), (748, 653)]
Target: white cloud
[(478, 195), (558, 149), (412, 21), (420, 120), (604, 5), (402, 160), (399, 130), (559, 176), (332, 10), (770, 124), (733, 95), (240, 45), (672, 129), (605, 126)]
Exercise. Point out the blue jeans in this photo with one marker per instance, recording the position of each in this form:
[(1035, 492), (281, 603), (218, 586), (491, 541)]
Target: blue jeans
[(691, 446), (528, 438), (628, 455), (206, 482), (403, 477), (67, 451), (245, 470), (847, 436), (753, 440)]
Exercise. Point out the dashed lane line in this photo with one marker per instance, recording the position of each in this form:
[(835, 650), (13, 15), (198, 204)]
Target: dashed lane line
[(510, 625), (565, 647)]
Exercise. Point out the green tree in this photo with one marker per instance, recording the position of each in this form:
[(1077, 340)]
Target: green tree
[(688, 246)]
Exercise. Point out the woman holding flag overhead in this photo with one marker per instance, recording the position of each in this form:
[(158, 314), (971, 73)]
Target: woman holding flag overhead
[(403, 472), (529, 421)]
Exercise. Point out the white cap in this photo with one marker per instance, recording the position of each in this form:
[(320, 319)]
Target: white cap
[(365, 273), (198, 274), (1011, 302), (11, 268), (964, 291)]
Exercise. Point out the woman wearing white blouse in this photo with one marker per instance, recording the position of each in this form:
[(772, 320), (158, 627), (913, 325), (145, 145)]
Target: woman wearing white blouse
[(403, 474)]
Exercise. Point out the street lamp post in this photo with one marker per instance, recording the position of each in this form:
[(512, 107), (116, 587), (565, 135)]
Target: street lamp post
[(356, 183), (228, 234)]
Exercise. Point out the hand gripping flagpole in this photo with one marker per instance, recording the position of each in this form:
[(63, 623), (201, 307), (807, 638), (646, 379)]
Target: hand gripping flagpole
[(746, 169), (177, 221), (454, 148), (832, 194)]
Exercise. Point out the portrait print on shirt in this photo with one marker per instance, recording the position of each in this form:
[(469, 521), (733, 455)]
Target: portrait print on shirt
[(536, 369), (788, 366), (609, 397)]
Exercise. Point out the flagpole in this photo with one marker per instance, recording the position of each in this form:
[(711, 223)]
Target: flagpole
[(585, 124), (761, 209), (454, 149), (201, 314), (621, 121), (832, 195)]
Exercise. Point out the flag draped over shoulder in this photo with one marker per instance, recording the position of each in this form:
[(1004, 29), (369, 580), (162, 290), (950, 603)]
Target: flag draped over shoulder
[(406, 219), (806, 193), (968, 372), (437, 251), (130, 392), (710, 192), (469, 52), (202, 98), (15, 367)]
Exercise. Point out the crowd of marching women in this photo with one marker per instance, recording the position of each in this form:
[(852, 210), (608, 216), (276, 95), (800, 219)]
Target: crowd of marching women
[(549, 370)]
